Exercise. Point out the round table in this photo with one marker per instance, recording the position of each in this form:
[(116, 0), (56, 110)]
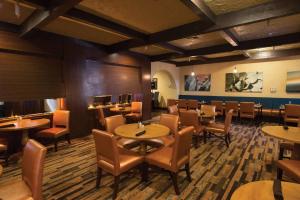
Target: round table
[(258, 190), (24, 125), (292, 134), (152, 131), (122, 110)]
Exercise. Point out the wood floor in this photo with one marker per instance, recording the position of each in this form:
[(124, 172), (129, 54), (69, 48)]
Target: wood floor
[(216, 170)]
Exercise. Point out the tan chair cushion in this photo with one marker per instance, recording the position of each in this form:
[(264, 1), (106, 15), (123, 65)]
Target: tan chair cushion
[(291, 167), (53, 132), (161, 158), (16, 190), (215, 128)]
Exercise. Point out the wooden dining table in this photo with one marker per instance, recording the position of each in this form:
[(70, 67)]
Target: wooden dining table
[(258, 190), (152, 131), (13, 130), (292, 134), (121, 110)]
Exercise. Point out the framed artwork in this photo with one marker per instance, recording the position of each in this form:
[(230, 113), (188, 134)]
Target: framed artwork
[(244, 82), (154, 84), (199, 82), (293, 81)]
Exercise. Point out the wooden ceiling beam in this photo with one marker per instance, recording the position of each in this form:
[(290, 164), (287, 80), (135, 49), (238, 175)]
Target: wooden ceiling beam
[(275, 53), (42, 17), (212, 60), (201, 9), (271, 10), (243, 45), (229, 37)]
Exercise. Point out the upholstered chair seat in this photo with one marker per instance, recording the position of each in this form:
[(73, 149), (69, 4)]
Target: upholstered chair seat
[(60, 127), (174, 158), (113, 159), (290, 167), (30, 186), (222, 130)]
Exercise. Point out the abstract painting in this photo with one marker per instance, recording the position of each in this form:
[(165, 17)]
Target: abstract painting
[(293, 81), (244, 82), (199, 82)]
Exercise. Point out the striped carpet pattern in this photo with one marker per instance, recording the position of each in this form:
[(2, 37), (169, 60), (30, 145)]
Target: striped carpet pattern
[(216, 170)]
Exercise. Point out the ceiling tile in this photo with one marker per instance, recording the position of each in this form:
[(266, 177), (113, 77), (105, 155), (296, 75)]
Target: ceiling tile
[(200, 41), (72, 28), (147, 16), (226, 6), (7, 12)]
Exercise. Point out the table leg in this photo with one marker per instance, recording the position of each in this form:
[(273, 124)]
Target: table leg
[(296, 152), (143, 148)]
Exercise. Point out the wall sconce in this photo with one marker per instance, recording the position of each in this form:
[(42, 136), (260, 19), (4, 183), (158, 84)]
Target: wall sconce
[(235, 70), (193, 73)]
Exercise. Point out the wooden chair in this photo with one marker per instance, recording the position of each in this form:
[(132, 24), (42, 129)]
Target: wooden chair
[(182, 104), (112, 158), (209, 110), (171, 102), (232, 105), (192, 104), (292, 113), (222, 130), (60, 127), (112, 123), (219, 107), (190, 118), (30, 186), (174, 158)]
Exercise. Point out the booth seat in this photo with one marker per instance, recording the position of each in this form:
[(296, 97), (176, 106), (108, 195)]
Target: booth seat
[(270, 105)]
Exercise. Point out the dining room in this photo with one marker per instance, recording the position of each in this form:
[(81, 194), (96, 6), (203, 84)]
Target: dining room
[(149, 99)]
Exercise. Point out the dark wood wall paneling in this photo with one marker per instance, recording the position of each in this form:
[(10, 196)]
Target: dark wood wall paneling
[(50, 66)]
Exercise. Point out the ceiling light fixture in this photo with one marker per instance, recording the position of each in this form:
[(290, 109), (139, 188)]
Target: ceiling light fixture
[(193, 73), (235, 70)]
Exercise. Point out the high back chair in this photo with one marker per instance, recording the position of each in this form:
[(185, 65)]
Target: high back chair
[(175, 157), (101, 117), (219, 107), (222, 130), (173, 110), (112, 123), (234, 105), (292, 113), (30, 186), (171, 102), (112, 159), (136, 112), (192, 104), (182, 104), (60, 127), (209, 110), (171, 121), (247, 110), (190, 118)]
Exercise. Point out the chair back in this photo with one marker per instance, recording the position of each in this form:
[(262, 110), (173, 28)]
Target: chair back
[(182, 103), (292, 110), (247, 108), (181, 148), (61, 118), (189, 118), (136, 107), (101, 116), (208, 109), (32, 167), (171, 102), (106, 149), (231, 105), (228, 120), (218, 104), (113, 122), (173, 110), (171, 121), (192, 104)]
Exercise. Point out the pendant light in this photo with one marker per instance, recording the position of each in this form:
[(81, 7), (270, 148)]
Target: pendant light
[(235, 70)]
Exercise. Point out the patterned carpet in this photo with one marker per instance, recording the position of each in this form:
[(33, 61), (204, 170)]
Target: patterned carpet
[(216, 170)]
